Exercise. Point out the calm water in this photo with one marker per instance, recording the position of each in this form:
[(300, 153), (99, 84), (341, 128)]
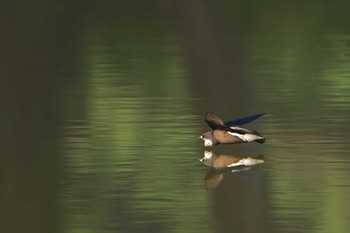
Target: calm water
[(106, 110)]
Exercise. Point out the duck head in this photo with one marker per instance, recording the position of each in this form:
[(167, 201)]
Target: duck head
[(209, 139)]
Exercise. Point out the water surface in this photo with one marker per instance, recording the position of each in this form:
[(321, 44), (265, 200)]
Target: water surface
[(116, 146)]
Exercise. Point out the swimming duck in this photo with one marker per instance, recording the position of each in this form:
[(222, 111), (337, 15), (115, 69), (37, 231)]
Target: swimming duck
[(229, 132)]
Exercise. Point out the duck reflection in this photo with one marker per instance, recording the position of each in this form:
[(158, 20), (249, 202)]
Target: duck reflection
[(224, 164), (233, 162)]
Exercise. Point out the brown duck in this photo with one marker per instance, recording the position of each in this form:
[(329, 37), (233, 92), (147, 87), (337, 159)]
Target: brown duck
[(229, 132)]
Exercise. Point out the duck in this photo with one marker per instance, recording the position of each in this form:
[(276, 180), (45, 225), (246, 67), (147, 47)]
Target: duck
[(230, 132)]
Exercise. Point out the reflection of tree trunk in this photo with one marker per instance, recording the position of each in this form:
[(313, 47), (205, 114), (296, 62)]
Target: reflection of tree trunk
[(213, 54), (27, 166), (28, 70), (28, 155), (238, 206), (215, 57)]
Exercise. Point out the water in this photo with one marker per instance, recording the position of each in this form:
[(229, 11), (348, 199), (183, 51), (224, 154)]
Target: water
[(103, 136)]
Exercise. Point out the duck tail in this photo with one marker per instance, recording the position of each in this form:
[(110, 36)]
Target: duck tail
[(261, 139)]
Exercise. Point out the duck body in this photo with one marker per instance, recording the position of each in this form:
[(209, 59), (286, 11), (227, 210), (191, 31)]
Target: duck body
[(229, 132)]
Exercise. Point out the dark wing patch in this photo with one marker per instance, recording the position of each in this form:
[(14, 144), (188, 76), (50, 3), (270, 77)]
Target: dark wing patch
[(214, 121), (243, 120)]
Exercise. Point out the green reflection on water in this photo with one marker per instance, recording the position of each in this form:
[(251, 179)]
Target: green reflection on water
[(129, 160), (308, 145), (126, 167)]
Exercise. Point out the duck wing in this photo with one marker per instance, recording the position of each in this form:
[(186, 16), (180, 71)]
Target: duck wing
[(243, 120), (214, 121)]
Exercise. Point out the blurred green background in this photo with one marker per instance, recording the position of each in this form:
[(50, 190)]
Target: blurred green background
[(103, 102)]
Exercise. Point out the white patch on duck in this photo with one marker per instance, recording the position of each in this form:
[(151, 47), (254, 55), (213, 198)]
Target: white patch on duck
[(246, 137)]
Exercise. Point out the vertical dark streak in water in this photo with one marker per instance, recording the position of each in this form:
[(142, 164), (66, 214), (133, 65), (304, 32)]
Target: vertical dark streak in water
[(214, 55), (216, 64), (29, 118), (238, 211)]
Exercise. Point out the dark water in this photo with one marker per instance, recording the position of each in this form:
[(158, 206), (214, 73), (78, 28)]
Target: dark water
[(104, 103)]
